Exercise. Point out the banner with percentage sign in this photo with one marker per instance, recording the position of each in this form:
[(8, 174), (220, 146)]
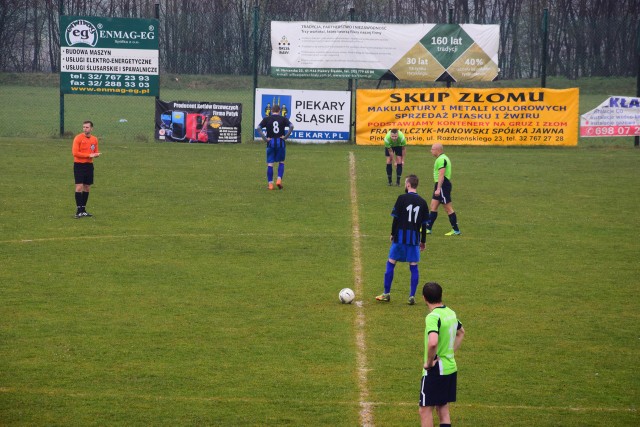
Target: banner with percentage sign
[(365, 50), (617, 116)]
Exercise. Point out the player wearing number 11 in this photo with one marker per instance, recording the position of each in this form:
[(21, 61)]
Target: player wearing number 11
[(275, 138), (408, 236)]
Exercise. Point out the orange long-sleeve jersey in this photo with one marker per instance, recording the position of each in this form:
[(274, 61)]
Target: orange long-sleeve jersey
[(83, 146)]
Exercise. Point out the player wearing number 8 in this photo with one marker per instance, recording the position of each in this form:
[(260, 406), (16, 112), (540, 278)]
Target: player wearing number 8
[(408, 236), (275, 137)]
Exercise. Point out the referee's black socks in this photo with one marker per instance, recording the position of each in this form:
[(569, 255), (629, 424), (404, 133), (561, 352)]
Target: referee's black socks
[(453, 219), (79, 203)]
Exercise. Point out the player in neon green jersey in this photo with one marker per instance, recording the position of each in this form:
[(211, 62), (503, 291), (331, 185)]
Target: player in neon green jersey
[(442, 190), (395, 144), (443, 335)]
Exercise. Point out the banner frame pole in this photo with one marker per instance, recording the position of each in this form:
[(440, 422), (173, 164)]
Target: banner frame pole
[(61, 13), (256, 15), (545, 35)]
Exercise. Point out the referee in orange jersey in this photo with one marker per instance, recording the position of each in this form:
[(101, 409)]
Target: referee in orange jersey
[(85, 149)]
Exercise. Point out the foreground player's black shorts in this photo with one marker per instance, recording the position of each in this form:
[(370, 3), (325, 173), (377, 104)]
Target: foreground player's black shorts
[(437, 389), (396, 150)]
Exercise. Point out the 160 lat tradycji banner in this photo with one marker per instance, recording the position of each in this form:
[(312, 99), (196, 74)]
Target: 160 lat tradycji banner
[(469, 116), (368, 50)]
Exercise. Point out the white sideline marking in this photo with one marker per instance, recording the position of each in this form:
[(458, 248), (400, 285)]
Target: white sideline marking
[(366, 407), (163, 236)]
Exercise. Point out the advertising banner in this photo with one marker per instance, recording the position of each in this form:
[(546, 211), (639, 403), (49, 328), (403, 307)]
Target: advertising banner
[(195, 121), (109, 56), (317, 115), (617, 116), (365, 50), (469, 116)]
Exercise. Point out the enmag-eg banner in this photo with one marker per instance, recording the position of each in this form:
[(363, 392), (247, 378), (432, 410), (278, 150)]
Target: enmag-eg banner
[(109, 56)]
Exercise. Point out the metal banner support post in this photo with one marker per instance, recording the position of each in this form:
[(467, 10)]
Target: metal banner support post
[(61, 12), (545, 35), (636, 141), (256, 15)]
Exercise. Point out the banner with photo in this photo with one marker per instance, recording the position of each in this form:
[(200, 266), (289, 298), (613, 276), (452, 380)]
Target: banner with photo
[(616, 116), (367, 50), (469, 116), (198, 122), (317, 115)]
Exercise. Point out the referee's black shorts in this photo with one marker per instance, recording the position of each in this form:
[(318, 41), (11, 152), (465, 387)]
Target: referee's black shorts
[(83, 173), (445, 192), (437, 389)]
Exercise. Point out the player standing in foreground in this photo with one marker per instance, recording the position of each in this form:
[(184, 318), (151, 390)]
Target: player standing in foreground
[(442, 190), (275, 138), (85, 149), (443, 335), (395, 144), (408, 236)]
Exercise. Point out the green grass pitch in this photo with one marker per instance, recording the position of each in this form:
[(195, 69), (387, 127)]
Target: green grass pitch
[(196, 297)]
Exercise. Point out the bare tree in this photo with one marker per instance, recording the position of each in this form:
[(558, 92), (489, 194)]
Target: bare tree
[(586, 37)]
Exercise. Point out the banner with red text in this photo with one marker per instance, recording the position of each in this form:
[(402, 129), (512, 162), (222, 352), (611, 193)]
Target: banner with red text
[(462, 116), (616, 116)]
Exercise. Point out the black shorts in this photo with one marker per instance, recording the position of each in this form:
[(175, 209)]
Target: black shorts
[(83, 173), (437, 389), (396, 150), (445, 192)]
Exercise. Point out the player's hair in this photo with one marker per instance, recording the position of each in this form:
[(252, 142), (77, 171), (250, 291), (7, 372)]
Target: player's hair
[(432, 292), (275, 108), (413, 181), (394, 131), (88, 121)]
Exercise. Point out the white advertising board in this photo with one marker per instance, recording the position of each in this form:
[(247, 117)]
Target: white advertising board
[(617, 116), (421, 52), (317, 115)]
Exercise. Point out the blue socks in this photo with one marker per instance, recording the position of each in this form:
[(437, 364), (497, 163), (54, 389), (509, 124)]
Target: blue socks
[(388, 277), (415, 278), (281, 170), (269, 173)]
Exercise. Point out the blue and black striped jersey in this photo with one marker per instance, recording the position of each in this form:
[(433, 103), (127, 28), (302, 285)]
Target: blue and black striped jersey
[(275, 125), (411, 214)]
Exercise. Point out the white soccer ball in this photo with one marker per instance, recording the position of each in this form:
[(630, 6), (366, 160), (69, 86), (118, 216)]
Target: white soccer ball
[(346, 296)]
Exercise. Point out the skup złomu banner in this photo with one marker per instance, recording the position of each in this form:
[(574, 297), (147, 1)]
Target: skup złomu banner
[(422, 52), (469, 116), (109, 56), (316, 115)]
